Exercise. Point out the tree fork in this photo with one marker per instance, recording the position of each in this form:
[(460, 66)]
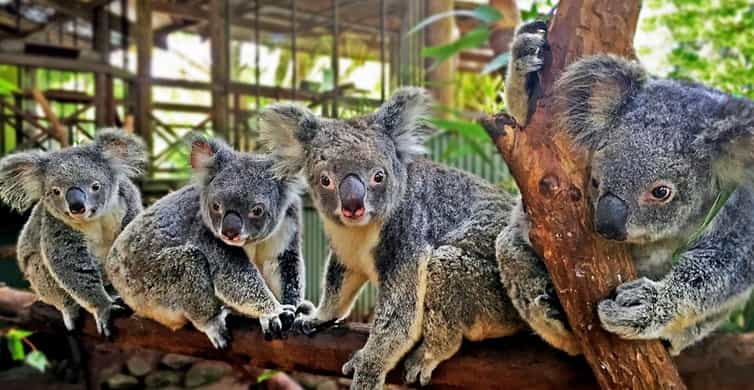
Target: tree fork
[(552, 176)]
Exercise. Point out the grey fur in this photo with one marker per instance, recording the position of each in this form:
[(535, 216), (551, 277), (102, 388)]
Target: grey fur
[(174, 265), (61, 254), (643, 132), (426, 236)]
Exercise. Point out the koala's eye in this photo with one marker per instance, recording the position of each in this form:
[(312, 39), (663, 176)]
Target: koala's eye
[(56, 191), (661, 193), (257, 211), (325, 181), (96, 186), (379, 176), (216, 206)]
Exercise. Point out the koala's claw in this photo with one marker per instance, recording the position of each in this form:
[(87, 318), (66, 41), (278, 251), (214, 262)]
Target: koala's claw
[(364, 375), (272, 327), (547, 319), (102, 318), (417, 368), (287, 316), (309, 325), (219, 338), (304, 308), (632, 314)]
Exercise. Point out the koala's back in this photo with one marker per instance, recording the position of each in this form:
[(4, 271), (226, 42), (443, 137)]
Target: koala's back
[(446, 205)]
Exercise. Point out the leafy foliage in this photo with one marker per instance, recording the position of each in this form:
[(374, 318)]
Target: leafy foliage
[(712, 41), (15, 340)]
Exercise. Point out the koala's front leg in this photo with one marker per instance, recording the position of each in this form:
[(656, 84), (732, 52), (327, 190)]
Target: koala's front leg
[(521, 79), (241, 286), (340, 288), (291, 272), (529, 285), (397, 324), (67, 256)]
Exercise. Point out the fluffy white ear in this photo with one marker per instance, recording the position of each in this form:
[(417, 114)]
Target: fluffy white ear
[(730, 142), (208, 156), (403, 119), (286, 129), (591, 91), (126, 152), (21, 179)]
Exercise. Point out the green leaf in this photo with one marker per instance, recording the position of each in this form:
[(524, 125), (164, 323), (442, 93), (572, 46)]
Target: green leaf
[(473, 39), (16, 348), (498, 62), (18, 333), (267, 374), (483, 13), (37, 360)]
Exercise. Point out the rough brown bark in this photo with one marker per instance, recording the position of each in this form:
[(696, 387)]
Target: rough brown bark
[(552, 176), (522, 362)]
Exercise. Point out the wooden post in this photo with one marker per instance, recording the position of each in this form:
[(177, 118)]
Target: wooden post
[(144, 41), (552, 176), (440, 78), (219, 35), (103, 89)]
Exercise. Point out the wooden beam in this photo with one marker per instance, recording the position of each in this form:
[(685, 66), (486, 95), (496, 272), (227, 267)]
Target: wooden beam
[(720, 362), (219, 25), (62, 64), (144, 40), (440, 78)]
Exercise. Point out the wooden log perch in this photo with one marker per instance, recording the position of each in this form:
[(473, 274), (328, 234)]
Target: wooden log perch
[(552, 176), (58, 131), (520, 362)]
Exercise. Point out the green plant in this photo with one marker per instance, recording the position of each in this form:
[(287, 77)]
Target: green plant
[(15, 340)]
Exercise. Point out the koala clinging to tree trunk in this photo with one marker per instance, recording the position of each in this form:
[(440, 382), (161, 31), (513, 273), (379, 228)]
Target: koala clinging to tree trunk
[(84, 198), (662, 153), (423, 233), (231, 239)]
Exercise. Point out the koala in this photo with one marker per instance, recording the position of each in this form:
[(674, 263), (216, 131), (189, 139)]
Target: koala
[(422, 232), (661, 154), (82, 198), (229, 239)]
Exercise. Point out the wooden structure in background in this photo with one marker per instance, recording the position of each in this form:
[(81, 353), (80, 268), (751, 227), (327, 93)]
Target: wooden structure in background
[(521, 362)]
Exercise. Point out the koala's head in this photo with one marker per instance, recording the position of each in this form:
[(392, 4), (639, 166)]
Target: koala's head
[(242, 202), (355, 169), (75, 184), (660, 150)]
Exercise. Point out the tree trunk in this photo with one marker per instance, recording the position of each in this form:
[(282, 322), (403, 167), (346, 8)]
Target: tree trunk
[(552, 176)]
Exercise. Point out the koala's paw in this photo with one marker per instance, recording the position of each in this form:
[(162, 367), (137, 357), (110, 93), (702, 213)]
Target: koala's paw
[(272, 326), (365, 375), (70, 316), (547, 319), (102, 318), (217, 331), (310, 324), (634, 314), (417, 367)]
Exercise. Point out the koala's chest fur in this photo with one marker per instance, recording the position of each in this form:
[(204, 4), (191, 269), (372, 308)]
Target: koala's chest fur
[(264, 255), (101, 232), (355, 246)]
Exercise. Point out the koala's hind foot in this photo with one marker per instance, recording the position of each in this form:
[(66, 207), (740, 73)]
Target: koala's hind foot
[(529, 286), (452, 311), (71, 312), (215, 329)]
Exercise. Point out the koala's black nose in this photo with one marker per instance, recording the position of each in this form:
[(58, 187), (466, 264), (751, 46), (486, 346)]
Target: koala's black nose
[(232, 225), (352, 192), (76, 199), (610, 217)]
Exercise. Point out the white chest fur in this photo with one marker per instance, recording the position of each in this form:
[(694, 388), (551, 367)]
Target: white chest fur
[(354, 246), (101, 232), (264, 255)]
